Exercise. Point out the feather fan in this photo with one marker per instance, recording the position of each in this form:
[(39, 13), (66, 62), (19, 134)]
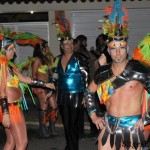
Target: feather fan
[(142, 50)]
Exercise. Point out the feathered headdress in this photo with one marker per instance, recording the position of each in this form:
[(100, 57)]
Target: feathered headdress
[(142, 50), (63, 27), (26, 38), (21, 38), (115, 24)]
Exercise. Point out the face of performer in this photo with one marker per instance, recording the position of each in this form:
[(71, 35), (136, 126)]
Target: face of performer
[(45, 50), (118, 50), (68, 46), (10, 52)]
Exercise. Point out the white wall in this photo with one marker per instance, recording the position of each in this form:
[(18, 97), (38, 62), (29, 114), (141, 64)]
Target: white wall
[(68, 7)]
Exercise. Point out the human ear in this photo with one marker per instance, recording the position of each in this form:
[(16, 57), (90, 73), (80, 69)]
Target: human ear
[(108, 50)]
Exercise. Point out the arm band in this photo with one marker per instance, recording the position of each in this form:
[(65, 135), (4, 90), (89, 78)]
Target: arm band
[(147, 83), (90, 101), (4, 105), (37, 83)]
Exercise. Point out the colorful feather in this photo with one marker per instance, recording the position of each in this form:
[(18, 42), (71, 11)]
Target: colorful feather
[(142, 50), (62, 26), (26, 38), (117, 19)]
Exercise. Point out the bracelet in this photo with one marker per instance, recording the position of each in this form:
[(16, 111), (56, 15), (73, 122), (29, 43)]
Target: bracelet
[(4, 105), (38, 83)]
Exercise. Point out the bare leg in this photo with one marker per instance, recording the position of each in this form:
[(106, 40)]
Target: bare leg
[(41, 97), (43, 113), (16, 135)]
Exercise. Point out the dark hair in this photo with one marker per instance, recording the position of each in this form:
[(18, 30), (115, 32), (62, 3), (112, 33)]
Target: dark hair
[(102, 36), (38, 52), (43, 44), (81, 38)]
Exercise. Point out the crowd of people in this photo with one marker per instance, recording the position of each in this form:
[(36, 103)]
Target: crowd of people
[(102, 84)]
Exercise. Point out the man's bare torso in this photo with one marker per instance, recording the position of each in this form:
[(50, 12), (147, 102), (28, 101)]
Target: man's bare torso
[(126, 101)]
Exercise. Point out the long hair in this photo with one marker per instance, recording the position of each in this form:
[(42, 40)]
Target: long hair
[(38, 52)]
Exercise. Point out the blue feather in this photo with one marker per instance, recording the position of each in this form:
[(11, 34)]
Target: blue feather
[(117, 13)]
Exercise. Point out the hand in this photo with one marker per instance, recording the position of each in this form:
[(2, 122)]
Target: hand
[(102, 60), (98, 121), (50, 85), (139, 125), (6, 120)]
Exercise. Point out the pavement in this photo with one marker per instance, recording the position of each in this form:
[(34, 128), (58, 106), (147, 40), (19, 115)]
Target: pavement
[(52, 143)]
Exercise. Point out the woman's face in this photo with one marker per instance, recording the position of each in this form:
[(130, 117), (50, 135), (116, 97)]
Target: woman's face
[(10, 52), (45, 50)]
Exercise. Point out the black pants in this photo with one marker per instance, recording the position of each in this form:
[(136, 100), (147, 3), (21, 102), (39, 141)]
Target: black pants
[(69, 107)]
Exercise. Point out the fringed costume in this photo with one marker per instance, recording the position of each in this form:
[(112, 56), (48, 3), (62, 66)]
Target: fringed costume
[(121, 130)]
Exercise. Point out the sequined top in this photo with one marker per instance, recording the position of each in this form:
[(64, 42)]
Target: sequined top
[(70, 80)]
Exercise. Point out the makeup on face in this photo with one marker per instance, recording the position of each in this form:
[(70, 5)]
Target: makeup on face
[(68, 42), (118, 44)]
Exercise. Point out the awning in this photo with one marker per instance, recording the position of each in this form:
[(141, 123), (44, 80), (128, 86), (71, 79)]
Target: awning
[(49, 1)]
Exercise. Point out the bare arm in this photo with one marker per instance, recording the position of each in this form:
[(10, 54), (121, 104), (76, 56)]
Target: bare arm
[(35, 67), (3, 96), (102, 60)]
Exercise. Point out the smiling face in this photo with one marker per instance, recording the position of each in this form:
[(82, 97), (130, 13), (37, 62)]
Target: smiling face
[(68, 46), (10, 52), (118, 50)]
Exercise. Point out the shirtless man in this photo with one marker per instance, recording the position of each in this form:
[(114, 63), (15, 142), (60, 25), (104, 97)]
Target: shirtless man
[(120, 86)]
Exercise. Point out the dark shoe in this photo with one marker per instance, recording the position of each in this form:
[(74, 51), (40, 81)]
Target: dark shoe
[(43, 130), (44, 134), (52, 130)]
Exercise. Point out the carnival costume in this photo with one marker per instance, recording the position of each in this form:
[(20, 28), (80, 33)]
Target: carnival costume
[(119, 127), (42, 72), (134, 70), (71, 84), (12, 101)]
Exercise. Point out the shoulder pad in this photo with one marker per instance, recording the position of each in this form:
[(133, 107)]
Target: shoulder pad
[(138, 66), (103, 73), (80, 55)]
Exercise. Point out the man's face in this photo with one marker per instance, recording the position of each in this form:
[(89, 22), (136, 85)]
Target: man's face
[(118, 50), (68, 45)]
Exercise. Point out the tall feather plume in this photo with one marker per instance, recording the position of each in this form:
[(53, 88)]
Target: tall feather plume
[(116, 20), (142, 50), (62, 26)]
